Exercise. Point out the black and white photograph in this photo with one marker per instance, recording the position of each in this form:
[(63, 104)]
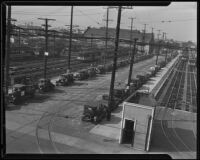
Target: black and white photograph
[(100, 79)]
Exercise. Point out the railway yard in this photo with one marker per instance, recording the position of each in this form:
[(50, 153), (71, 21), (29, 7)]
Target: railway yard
[(91, 88), (51, 122)]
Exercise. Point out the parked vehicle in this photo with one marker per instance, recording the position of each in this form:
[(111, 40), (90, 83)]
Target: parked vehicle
[(45, 85), (81, 75), (100, 69), (108, 67), (65, 79), (134, 84), (95, 111), (120, 94), (162, 64), (142, 79), (91, 72), (21, 92), (153, 71)]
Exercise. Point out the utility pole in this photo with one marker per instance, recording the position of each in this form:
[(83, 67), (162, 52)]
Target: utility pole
[(54, 43), (158, 52), (152, 30), (158, 33), (131, 63), (131, 35), (106, 40), (70, 39), (19, 34), (110, 102), (166, 52), (7, 56), (46, 42), (152, 45), (91, 42), (158, 46), (163, 36), (144, 36)]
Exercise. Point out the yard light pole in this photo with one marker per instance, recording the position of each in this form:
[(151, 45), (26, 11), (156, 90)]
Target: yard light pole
[(46, 43)]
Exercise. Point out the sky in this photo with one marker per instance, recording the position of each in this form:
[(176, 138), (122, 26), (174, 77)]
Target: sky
[(178, 20)]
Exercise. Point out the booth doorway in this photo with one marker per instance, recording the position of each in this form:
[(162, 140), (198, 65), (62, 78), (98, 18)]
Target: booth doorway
[(128, 132)]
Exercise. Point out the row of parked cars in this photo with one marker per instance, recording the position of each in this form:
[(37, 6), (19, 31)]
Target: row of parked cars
[(95, 111)]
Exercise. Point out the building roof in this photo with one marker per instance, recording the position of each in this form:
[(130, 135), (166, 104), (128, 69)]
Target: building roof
[(124, 34)]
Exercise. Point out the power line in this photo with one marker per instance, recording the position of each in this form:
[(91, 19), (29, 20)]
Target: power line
[(22, 13)]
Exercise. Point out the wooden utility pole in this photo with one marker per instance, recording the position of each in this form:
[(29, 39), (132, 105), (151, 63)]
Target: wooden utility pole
[(91, 42), (110, 102), (158, 46), (19, 43), (70, 39), (131, 35), (131, 63), (106, 40), (54, 43), (158, 52), (158, 33), (152, 45), (7, 56), (144, 37), (46, 42), (166, 52)]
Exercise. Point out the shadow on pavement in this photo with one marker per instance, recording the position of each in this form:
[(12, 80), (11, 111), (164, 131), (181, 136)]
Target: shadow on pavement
[(78, 84), (12, 107), (114, 120), (38, 98)]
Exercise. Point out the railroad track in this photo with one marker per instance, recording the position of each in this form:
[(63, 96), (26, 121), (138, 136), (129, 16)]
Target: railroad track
[(45, 123), (55, 69), (171, 135)]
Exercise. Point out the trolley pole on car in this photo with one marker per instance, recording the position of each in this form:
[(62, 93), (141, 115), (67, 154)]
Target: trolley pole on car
[(46, 43), (132, 61), (131, 35), (7, 56)]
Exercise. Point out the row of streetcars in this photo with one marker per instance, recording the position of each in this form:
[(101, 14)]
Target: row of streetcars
[(95, 111), (26, 88)]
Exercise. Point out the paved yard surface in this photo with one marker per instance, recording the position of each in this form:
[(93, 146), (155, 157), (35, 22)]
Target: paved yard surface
[(51, 123)]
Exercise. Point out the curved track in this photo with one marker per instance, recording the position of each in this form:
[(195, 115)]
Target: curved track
[(172, 136)]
